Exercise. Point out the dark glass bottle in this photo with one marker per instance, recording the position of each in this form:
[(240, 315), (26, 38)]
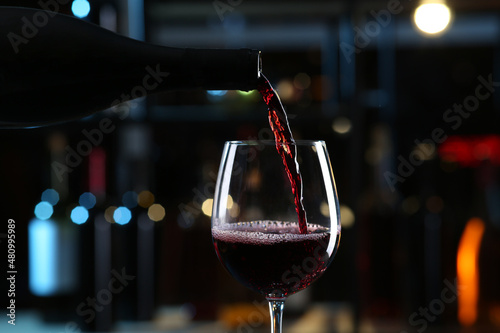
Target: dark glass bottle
[(54, 67)]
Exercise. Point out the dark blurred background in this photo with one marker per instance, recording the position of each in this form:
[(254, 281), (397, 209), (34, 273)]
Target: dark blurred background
[(118, 237)]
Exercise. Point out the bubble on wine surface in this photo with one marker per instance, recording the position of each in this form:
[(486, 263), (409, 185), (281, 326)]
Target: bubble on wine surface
[(267, 232)]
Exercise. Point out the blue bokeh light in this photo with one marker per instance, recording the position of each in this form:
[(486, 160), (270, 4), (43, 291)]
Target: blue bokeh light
[(79, 215), (129, 199), (42, 245), (87, 200), (122, 215), (216, 92), (44, 210), (51, 196), (80, 8), (216, 95)]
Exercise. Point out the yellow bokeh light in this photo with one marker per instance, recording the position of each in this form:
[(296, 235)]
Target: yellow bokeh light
[(156, 212), (346, 216), (234, 211), (324, 209), (145, 199), (432, 17), (285, 89), (342, 125), (206, 207), (108, 214), (302, 81), (230, 202)]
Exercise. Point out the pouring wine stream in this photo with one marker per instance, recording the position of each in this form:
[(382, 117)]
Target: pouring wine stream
[(278, 121)]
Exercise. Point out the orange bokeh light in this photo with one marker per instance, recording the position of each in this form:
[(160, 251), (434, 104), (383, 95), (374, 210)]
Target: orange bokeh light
[(468, 271)]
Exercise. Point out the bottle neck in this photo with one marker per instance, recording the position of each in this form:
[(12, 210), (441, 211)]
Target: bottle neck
[(208, 69), (219, 69)]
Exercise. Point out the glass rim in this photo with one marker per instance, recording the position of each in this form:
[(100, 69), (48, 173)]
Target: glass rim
[(272, 142)]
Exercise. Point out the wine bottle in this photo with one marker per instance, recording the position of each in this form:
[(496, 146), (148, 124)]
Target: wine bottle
[(54, 68)]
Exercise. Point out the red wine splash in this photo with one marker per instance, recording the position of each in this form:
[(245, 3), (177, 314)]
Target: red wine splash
[(278, 121)]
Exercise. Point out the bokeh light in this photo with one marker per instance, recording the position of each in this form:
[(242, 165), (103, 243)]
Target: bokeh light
[(324, 208), (245, 93), (145, 199), (129, 199), (44, 210), (302, 81), (206, 207), (87, 200), (79, 215), (42, 246), (156, 212), (342, 125), (80, 8), (346, 216), (234, 210), (216, 95), (285, 90), (108, 214), (51, 196), (122, 215), (230, 202), (216, 92), (432, 17)]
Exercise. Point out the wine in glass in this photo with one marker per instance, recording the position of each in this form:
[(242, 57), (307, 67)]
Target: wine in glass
[(272, 239)]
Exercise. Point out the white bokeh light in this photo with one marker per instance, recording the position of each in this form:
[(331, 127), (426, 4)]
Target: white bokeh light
[(432, 17)]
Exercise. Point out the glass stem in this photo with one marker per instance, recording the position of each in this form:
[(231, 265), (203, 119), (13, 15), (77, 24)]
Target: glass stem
[(276, 309)]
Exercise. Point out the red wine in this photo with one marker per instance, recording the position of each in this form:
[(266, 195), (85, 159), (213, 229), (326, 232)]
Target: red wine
[(278, 121), (272, 257)]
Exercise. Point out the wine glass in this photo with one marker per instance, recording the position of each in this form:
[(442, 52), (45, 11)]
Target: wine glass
[(256, 217)]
